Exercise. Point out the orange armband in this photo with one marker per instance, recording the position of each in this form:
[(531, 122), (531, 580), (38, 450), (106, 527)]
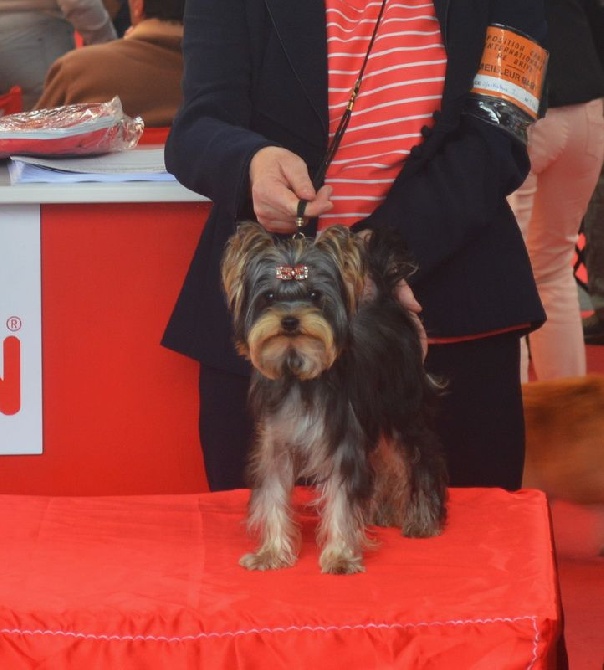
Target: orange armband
[(508, 85)]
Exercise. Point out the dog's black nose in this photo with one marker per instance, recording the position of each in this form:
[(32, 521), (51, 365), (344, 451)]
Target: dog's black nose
[(289, 323)]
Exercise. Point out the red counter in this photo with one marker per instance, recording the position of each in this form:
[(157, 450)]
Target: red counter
[(117, 412)]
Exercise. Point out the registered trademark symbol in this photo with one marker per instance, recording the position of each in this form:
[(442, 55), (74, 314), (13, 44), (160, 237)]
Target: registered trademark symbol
[(13, 323)]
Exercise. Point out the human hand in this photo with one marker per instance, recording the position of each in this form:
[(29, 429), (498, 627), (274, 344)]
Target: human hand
[(405, 296), (279, 179), (407, 299)]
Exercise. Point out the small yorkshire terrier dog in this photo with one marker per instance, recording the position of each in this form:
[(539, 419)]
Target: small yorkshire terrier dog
[(339, 392)]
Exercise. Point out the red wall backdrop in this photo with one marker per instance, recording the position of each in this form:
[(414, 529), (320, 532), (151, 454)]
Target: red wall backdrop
[(120, 411)]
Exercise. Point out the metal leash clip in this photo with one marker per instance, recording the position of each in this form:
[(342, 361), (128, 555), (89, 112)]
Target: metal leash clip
[(300, 221)]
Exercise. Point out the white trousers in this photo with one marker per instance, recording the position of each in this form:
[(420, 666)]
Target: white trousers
[(30, 42), (566, 149)]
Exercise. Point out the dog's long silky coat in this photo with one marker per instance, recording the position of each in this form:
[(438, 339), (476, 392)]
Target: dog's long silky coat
[(339, 392)]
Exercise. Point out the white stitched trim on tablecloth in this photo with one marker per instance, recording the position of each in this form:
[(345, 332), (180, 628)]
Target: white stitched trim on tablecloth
[(287, 629)]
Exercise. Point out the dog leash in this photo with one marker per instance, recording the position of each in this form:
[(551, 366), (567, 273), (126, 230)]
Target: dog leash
[(340, 130)]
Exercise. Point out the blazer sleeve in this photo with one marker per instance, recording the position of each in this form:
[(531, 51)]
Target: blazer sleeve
[(442, 202), (446, 203), (594, 11), (210, 144)]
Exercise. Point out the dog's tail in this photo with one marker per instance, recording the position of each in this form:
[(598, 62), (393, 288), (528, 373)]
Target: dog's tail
[(389, 260)]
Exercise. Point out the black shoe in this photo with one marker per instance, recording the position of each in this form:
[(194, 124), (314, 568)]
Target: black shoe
[(593, 330)]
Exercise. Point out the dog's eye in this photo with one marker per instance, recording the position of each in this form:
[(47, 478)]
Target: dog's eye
[(315, 296), (269, 297)]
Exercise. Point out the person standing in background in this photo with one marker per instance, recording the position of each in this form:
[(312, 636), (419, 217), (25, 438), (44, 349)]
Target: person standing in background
[(593, 228), (566, 149), (34, 33), (119, 10)]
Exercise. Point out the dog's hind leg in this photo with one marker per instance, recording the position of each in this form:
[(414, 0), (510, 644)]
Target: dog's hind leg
[(390, 497), (425, 512), (409, 489)]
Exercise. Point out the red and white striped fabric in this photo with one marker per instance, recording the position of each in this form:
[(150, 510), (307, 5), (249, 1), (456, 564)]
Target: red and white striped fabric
[(402, 87)]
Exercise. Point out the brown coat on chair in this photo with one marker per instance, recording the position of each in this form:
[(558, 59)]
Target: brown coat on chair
[(565, 438), (143, 69)]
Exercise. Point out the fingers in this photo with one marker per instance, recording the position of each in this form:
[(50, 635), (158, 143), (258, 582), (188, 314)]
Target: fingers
[(406, 297), (272, 170), (408, 300), (423, 336), (321, 203), (279, 179)]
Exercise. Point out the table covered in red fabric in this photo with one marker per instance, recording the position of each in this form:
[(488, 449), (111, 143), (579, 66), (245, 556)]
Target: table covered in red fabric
[(150, 582)]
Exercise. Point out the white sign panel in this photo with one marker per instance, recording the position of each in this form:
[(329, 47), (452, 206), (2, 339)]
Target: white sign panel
[(20, 331)]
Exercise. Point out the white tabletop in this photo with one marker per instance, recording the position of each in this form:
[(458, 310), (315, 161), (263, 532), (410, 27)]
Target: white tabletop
[(92, 192)]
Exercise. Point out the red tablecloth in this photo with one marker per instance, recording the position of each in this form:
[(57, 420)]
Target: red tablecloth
[(150, 582)]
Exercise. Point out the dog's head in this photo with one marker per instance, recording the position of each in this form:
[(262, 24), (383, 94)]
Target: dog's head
[(291, 299)]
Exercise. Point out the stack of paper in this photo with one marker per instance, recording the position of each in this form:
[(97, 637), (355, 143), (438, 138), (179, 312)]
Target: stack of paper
[(145, 163)]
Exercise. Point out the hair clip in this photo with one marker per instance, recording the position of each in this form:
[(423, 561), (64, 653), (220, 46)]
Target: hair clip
[(291, 272)]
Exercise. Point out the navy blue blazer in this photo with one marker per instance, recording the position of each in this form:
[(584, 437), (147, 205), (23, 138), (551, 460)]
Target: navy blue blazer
[(256, 75)]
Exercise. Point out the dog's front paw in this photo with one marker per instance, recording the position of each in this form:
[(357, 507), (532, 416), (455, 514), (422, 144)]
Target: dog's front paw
[(340, 562), (267, 560)]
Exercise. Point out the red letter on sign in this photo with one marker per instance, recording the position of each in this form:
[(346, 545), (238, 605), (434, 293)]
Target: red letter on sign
[(10, 384)]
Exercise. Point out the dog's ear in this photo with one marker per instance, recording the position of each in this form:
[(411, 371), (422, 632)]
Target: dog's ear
[(249, 239), (347, 251)]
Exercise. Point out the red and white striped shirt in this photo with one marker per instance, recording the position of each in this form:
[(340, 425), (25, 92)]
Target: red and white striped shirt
[(401, 89)]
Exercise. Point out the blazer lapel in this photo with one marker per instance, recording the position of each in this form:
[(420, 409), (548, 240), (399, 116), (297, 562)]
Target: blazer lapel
[(302, 31), (441, 7)]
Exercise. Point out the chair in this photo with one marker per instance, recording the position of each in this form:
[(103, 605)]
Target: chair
[(11, 102)]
